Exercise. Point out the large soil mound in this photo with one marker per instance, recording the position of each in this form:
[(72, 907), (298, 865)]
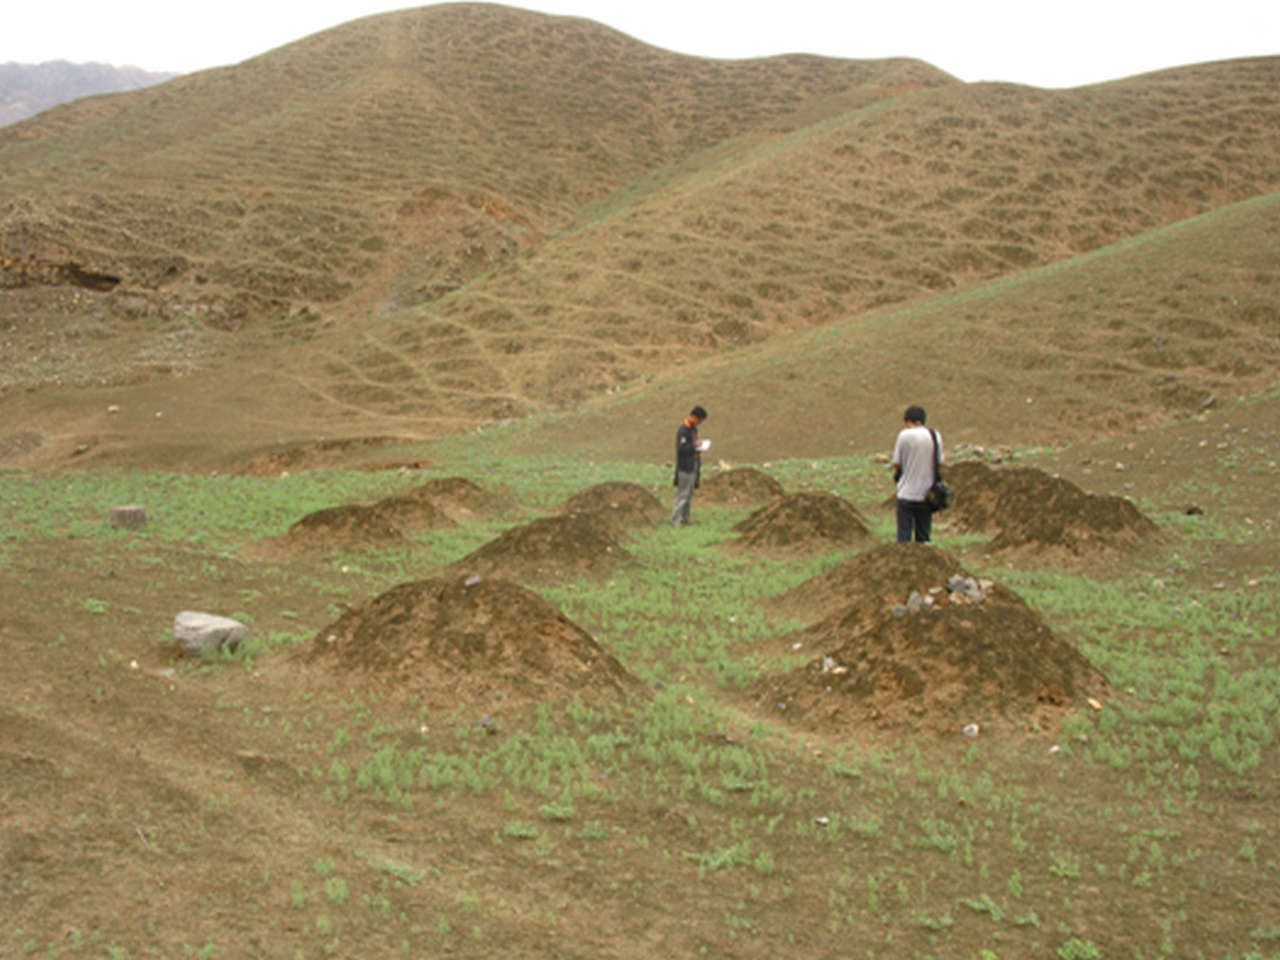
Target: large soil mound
[(743, 487), (548, 550), (623, 505), (956, 652), (482, 638), (1026, 507), (803, 521)]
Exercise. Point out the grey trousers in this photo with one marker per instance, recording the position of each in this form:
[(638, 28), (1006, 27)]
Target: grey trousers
[(685, 484)]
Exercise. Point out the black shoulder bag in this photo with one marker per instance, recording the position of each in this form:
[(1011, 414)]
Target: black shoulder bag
[(940, 495)]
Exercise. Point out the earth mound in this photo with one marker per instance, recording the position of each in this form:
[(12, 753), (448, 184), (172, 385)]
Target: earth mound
[(802, 520), (414, 513), (549, 550), (742, 487), (320, 455), (483, 638), (349, 525), (959, 651), (880, 578), (1026, 507), (460, 498), (623, 505)]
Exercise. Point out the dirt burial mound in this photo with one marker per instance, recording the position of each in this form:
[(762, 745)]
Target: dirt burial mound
[(879, 579), (336, 528), (959, 651), (414, 513), (481, 638), (743, 487), (1026, 507), (461, 499), (821, 521), (622, 505), (549, 550)]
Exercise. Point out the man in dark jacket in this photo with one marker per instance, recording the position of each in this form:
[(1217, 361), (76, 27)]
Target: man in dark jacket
[(688, 464)]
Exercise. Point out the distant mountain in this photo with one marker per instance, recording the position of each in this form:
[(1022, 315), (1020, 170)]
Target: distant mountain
[(28, 88)]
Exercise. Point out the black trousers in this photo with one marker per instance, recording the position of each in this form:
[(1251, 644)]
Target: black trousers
[(914, 516)]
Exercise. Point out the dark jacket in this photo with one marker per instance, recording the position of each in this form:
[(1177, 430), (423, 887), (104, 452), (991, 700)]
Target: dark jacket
[(688, 459)]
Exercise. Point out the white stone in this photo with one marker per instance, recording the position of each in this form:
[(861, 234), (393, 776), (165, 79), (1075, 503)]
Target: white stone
[(198, 632)]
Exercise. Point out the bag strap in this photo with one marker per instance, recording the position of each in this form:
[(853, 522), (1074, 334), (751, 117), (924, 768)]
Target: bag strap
[(936, 476)]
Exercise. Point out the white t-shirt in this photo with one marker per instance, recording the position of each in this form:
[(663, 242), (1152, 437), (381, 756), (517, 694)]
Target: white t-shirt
[(914, 453)]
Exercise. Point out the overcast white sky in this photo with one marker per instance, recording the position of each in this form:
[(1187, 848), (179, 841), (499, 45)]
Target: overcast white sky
[(1037, 42)]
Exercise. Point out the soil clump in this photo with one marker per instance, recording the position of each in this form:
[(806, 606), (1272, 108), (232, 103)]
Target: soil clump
[(549, 550), (1028, 508), (959, 651), (451, 639), (741, 487), (622, 505), (802, 521)]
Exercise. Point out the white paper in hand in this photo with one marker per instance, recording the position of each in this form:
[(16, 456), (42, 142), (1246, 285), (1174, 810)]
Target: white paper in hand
[(704, 444)]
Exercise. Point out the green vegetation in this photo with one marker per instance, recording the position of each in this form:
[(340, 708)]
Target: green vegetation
[(919, 845)]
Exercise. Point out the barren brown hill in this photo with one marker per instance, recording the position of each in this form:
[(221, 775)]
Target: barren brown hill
[(429, 220), (381, 163)]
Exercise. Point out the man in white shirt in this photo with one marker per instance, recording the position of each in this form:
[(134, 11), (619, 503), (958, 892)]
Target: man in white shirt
[(913, 469)]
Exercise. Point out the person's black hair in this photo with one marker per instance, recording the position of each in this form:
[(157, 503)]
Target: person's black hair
[(699, 413), (914, 414)]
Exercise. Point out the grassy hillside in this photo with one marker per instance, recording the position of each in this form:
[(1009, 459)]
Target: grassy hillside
[(432, 220)]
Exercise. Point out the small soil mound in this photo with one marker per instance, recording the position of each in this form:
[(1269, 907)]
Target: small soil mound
[(743, 487), (879, 579), (460, 498), (804, 521), (316, 456), (1026, 507), (622, 505), (550, 550), (350, 525), (447, 636), (413, 513), (959, 651)]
